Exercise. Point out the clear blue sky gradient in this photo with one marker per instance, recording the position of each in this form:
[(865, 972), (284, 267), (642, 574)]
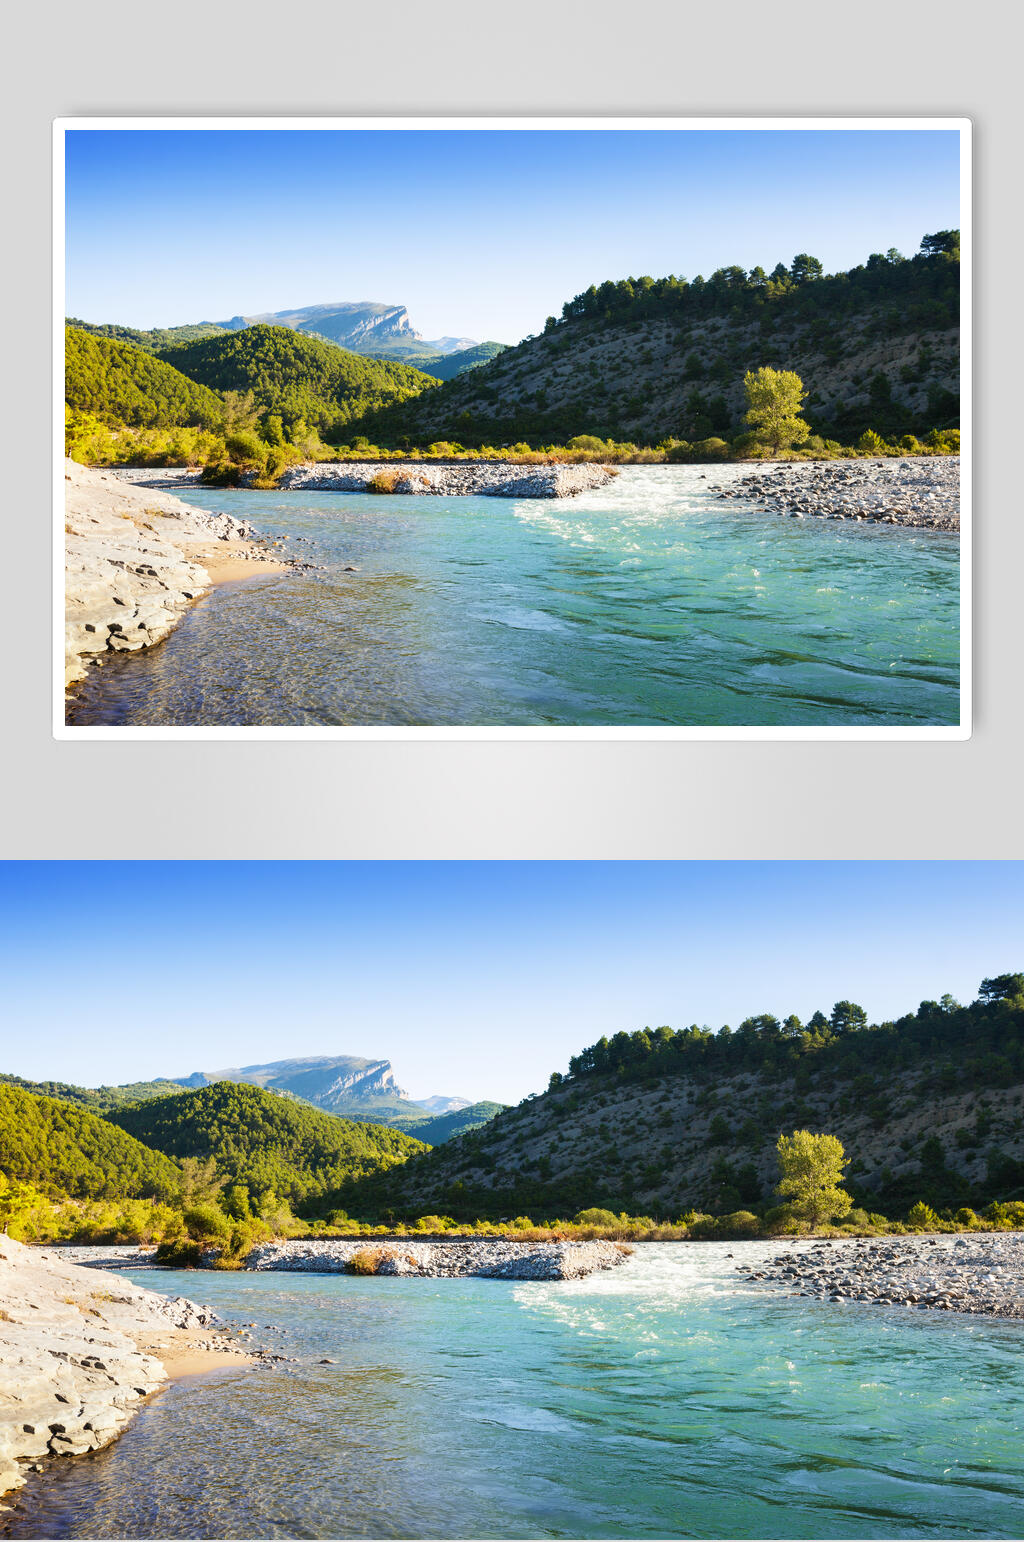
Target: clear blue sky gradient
[(476, 979), (480, 233)]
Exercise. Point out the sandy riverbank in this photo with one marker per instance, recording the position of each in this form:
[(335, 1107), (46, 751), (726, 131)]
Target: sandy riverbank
[(81, 1348), (135, 559)]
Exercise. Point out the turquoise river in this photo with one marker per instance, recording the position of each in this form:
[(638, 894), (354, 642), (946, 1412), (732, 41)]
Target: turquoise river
[(648, 603), (664, 1399)]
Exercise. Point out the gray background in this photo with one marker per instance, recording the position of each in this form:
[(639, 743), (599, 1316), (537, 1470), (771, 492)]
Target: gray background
[(569, 800)]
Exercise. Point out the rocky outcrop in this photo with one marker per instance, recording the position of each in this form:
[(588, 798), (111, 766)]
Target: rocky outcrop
[(495, 479), (486, 1258), (71, 1369), (920, 491), (133, 563)]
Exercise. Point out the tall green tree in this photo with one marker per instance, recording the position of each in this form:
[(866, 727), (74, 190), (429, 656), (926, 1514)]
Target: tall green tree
[(774, 399), (847, 1017), (805, 268), (811, 1169)]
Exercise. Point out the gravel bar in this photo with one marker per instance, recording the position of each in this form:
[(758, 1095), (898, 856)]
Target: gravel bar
[(922, 492), (486, 1259), (981, 1274)]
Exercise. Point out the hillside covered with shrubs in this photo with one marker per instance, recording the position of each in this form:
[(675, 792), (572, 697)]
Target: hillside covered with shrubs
[(660, 1121), (649, 361)]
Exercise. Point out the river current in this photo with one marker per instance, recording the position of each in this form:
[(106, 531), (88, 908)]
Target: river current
[(663, 1399), (647, 603)]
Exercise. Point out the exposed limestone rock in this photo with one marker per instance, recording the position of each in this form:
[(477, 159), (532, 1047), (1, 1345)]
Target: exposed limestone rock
[(131, 566), (71, 1370)]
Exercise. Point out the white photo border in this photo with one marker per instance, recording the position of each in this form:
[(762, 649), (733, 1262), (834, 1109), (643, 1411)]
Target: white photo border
[(868, 123)]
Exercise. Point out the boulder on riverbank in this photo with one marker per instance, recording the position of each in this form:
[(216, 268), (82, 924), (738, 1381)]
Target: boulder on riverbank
[(72, 1365)]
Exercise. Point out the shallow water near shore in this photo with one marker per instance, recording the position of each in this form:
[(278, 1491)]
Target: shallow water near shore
[(645, 603), (662, 1399)]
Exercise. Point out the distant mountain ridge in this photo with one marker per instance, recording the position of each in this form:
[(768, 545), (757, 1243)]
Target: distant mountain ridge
[(322, 1079), (381, 332), (359, 1089), (351, 323)]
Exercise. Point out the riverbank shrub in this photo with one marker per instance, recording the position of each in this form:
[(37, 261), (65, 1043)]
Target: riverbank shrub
[(383, 482), (366, 1261)]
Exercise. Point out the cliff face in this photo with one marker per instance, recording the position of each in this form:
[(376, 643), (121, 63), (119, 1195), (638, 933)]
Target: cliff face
[(333, 1082), (350, 323)]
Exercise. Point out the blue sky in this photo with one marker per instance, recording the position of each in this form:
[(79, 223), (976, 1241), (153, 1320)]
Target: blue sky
[(480, 233), (475, 979)]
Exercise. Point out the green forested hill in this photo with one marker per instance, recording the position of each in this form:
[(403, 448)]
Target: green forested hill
[(150, 342), (122, 384), (929, 1107), (265, 1142), (63, 1149), (441, 1127), (99, 1099), (298, 378), (447, 365), (643, 359)]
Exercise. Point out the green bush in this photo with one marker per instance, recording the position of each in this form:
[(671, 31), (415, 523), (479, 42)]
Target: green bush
[(922, 1217), (781, 1219), (595, 1217), (246, 446), (740, 1223), (747, 447), (871, 443), (710, 449), (206, 1222), (435, 1223)]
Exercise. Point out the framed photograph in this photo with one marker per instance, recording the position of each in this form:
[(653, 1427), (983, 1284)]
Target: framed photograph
[(512, 428)]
